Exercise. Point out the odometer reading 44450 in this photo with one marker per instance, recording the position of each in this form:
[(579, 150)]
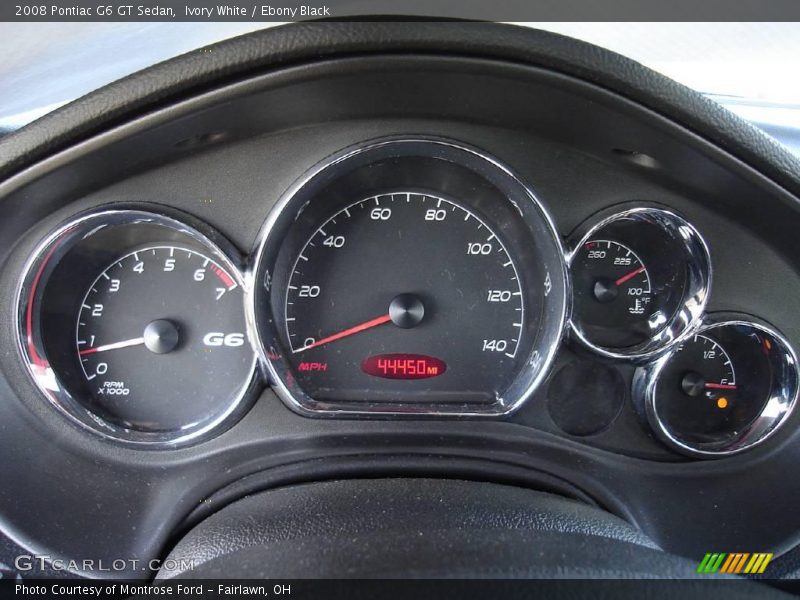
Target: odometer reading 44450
[(403, 366)]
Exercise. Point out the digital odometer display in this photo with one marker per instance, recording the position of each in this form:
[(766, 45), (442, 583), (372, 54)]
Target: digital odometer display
[(403, 366)]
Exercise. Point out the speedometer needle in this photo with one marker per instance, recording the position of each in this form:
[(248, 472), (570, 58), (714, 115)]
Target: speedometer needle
[(347, 332), (114, 346)]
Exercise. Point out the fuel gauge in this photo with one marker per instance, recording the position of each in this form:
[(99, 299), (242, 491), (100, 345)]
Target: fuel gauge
[(723, 390), (701, 397)]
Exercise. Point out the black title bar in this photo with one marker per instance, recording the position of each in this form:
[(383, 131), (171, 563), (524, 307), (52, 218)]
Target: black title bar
[(484, 10)]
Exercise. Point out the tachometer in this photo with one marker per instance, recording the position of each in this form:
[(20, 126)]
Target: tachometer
[(154, 322), (132, 324), (409, 276)]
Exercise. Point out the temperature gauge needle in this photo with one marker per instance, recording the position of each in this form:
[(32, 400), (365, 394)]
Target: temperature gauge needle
[(347, 332), (719, 386), (630, 275), (114, 346)]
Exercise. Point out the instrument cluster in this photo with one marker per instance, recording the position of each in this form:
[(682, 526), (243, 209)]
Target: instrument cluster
[(402, 277)]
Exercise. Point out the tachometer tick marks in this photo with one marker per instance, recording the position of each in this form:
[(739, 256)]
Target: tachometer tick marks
[(166, 301)]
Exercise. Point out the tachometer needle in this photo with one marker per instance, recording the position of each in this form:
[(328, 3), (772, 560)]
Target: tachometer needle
[(347, 332), (630, 275), (720, 386), (124, 344)]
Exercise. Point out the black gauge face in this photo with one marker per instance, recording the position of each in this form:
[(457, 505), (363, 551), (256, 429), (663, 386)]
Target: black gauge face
[(723, 390), (160, 338), (133, 326), (640, 282), (409, 277), (406, 273), (700, 394), (613, 293)]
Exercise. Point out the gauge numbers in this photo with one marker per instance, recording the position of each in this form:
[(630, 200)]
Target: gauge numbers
[(713, 373), (151, 325), (700, 396), (613, 292), (726, 388), (404, 272), (408, 276)]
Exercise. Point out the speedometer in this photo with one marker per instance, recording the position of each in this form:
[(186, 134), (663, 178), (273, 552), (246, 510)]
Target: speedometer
[(409, 276), (403, 272)]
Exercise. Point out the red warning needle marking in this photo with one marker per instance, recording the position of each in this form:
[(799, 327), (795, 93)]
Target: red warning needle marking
[(720, 386), (347, 332), (630, 275), (224, 277)]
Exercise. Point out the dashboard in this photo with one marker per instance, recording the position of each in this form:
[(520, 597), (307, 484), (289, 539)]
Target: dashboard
[(399, 263), (404, 277)]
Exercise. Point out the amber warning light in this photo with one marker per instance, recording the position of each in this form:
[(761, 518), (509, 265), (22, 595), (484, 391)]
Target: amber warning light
[(403, 366)]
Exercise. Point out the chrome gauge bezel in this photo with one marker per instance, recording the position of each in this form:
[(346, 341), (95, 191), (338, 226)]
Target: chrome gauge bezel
[(688, 316), (30, 347), (778, 407), (266, 335)]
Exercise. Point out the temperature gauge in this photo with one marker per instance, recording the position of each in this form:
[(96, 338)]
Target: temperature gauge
[(613, 291), (640, 282)]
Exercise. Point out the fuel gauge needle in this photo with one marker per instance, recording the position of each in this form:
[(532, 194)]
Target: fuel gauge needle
[(720, 386), (114, 346)]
